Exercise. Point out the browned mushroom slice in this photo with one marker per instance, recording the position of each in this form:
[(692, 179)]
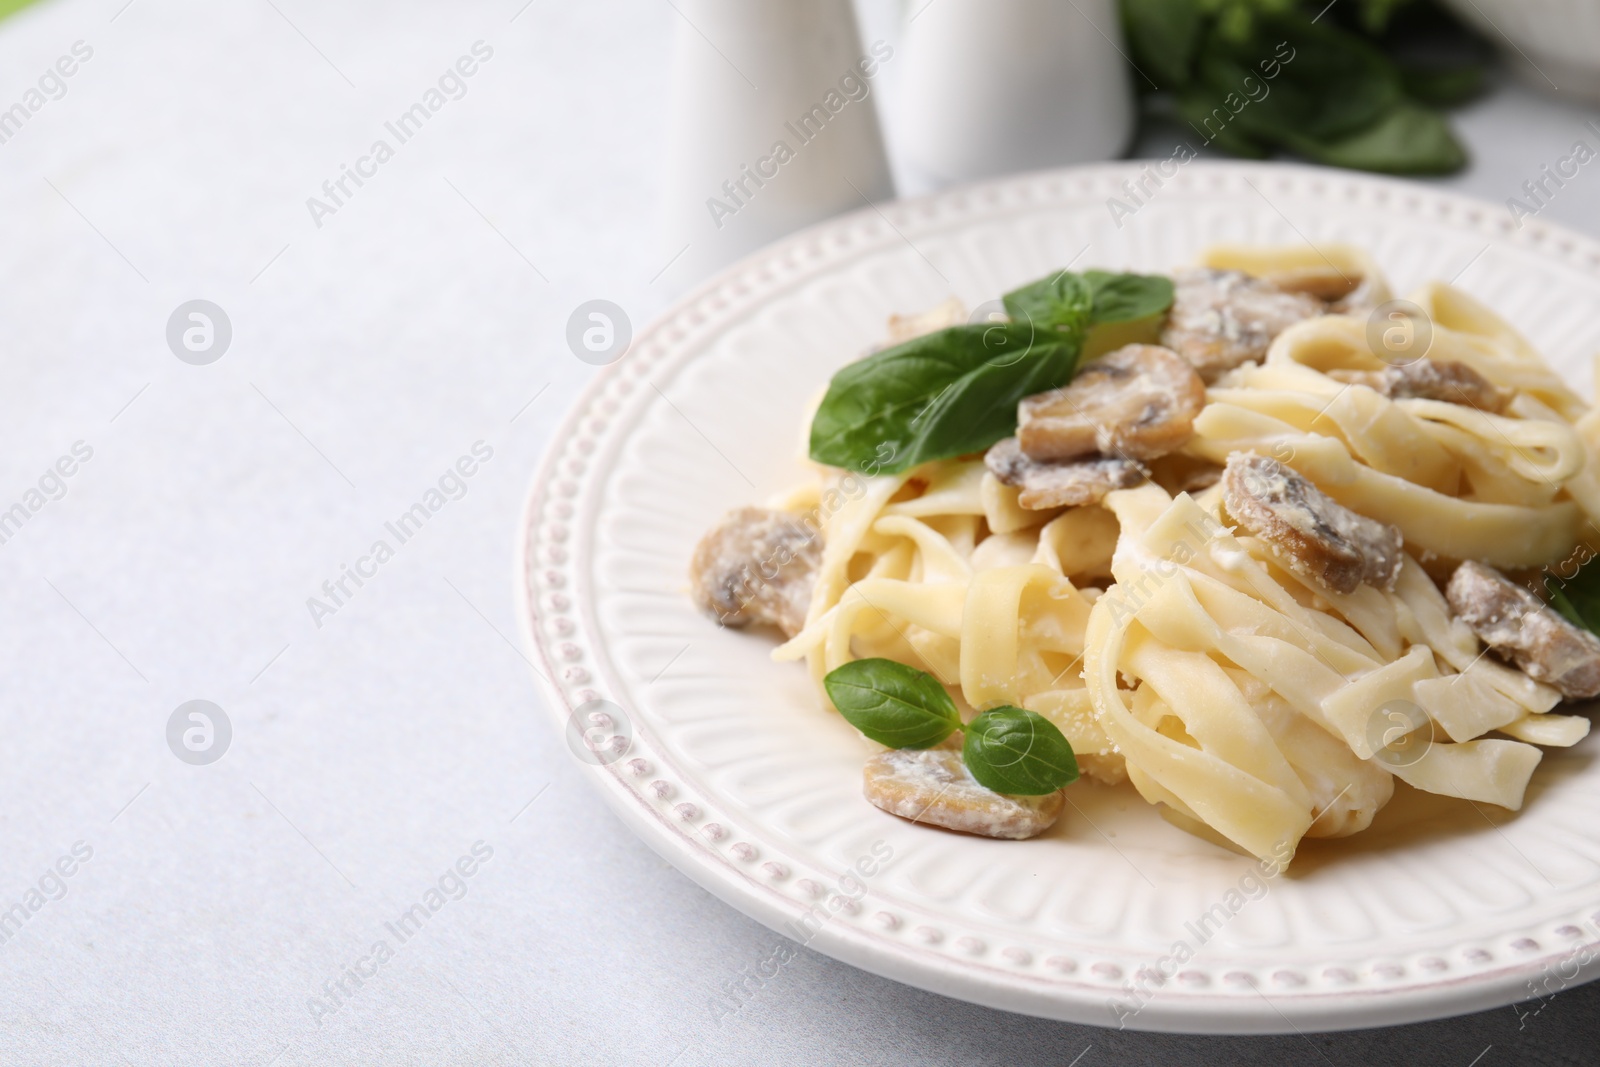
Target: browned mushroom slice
[(1370, 292), (934, 786), (1077, 482), (757, 565), (1137, 402), (1431, 379), (1223, 318), (1006, 461), (1180, 473), (1525, 630), (1312, 533), (1346, 292), (1069, 484), (1326, 283)]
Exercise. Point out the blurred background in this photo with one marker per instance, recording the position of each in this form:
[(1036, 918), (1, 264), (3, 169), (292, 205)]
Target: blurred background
[(967, 89), (272, 273)]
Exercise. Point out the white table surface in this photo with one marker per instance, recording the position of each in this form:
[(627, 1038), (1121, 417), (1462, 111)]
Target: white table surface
[(371, 752)]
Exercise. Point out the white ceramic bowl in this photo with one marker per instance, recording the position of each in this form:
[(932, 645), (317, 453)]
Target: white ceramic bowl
[(737, 776)]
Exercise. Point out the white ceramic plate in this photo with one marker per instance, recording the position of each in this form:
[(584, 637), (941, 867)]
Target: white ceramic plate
[(738, 778)]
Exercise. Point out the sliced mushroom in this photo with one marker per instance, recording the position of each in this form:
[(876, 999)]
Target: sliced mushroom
[(1525, 630), (1370, 292), (1181, 473), (1327, 283), (1345, 292), (934, 786), (757, 565), (1077, 482), (1223, 318), (1431, 379), (1137, 403), (1312, 533), (1070, 484)]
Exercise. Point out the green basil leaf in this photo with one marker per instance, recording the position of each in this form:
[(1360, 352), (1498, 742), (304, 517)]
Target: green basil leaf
[(1409, 139), (1443, 86), (1561, 600), (1348, 81), (1163, 36), (980, 407), (954, 391), (1127, 297), (1235, 22), (893, 704), (1375, 15), (1062, 302), (1018, 752), (1292, 77), (1197, 109), (941, 395), (1573, 589)]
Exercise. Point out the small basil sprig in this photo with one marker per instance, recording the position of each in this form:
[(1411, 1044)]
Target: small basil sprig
[(1017, 751), (1009, 750), (1058, 301), (893, 704), (1120, 298), (955, 391), (1062, 303)]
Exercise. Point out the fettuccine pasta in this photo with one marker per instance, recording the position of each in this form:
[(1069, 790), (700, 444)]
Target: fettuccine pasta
[(1181, 648)]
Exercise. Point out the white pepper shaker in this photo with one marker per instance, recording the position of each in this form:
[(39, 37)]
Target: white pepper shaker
[(998, 86), (774, 126)]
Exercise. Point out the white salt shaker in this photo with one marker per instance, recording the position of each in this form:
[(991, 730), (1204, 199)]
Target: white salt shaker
[(774, 126), (998, 86)]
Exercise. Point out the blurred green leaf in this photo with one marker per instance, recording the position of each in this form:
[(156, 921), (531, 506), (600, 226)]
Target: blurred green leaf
[(1197, 110), (1164, 35), (1327, 83), (1375, 15), (1443, 86), (1254, 75), (1236, 24), (9, 7), (1409, 139), (1575, 595)]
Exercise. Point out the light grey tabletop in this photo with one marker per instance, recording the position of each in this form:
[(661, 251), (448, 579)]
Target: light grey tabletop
[(390, 740)]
